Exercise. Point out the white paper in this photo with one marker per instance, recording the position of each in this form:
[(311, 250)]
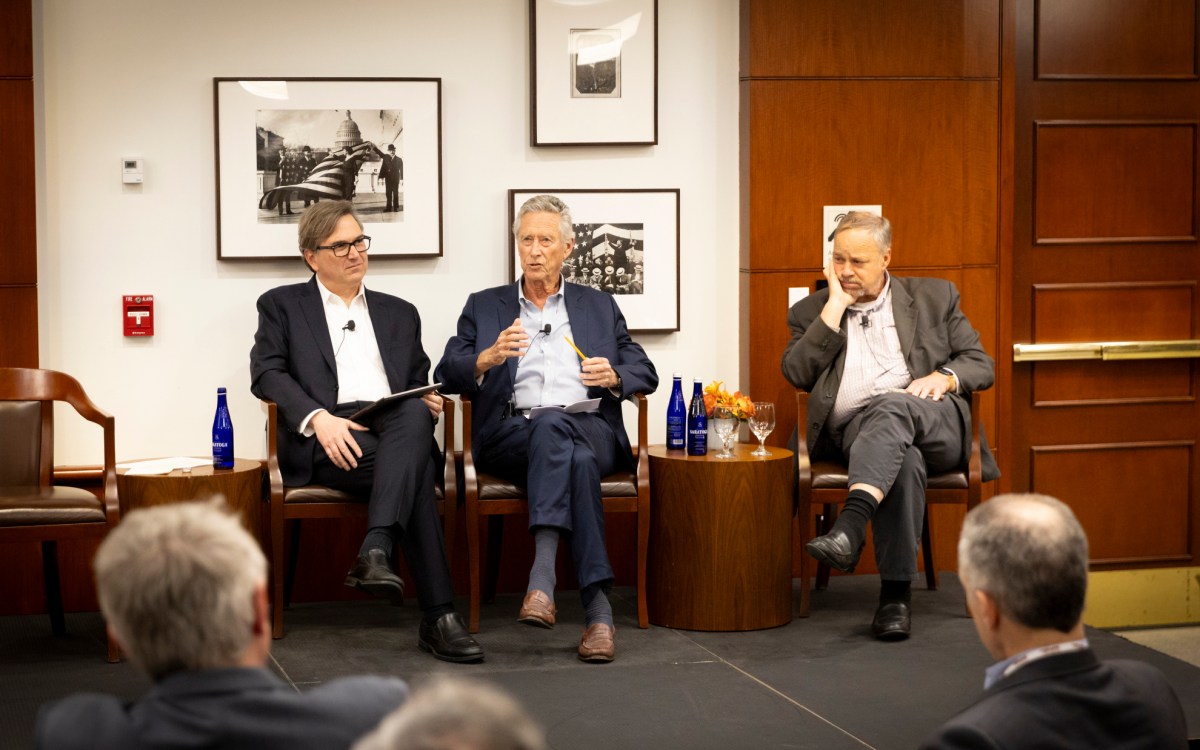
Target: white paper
[(579, 407), (795, 294), (163, 465)]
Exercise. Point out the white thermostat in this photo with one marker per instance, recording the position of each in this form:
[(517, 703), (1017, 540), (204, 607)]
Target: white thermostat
[(131, 171)]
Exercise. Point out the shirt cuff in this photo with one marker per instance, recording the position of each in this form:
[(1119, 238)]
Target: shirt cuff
[(305, 428)]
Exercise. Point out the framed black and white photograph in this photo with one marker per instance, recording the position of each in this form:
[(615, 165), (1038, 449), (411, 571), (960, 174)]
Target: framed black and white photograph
[(595, 72), (373, 141), (626, 244)]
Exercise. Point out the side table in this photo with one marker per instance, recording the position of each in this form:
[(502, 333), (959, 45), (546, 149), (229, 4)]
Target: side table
[(720, 540), (242, 487)]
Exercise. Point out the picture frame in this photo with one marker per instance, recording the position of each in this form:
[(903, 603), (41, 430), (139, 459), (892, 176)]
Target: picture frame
[(326, 136), (594, 73), (633, 230)]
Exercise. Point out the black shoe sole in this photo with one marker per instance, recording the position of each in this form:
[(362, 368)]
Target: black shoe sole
[(891, 635), (447, 657), (381, 589), (822, 557)]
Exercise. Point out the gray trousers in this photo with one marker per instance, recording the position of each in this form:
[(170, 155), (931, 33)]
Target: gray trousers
[(893, 444)]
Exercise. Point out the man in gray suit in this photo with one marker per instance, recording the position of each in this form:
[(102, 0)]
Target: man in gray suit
[(890, 364), (183, 588), (1023, 562)]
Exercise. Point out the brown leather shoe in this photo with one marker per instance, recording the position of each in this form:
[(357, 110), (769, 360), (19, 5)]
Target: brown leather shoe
[(537, 610), (599, 643)]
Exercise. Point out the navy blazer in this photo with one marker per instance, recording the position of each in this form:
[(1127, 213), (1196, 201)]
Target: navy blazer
[(1071, 700), (598, 329), (292, 362), (235, 708)]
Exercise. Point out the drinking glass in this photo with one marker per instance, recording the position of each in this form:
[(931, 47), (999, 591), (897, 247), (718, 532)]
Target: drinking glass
[(761, 424), (724, 424)]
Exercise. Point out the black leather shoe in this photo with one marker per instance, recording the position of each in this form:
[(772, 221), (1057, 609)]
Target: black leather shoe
[(835, 550), (372, 574), (893, 621), (448, 640)]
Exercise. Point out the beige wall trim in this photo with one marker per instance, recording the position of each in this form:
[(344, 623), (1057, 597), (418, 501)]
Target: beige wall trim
[(1143, 598)]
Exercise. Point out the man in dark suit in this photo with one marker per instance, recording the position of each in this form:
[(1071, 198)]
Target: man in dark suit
[(559, 457), (1023, 563), (323, 350), (890, 364), (391, 172), (183, 589)]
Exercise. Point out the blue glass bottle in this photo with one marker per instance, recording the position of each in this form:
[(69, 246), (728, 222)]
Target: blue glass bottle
[(222, 434), (697, 422), (676, 417)]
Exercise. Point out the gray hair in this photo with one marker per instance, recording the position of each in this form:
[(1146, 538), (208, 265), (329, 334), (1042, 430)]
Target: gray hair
[(879, 227), (318, 222), (176, 585), (1031, 555), (449, 713), (547, 204)]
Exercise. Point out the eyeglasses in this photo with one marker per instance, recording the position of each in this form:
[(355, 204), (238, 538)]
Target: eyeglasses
[(342, 249)]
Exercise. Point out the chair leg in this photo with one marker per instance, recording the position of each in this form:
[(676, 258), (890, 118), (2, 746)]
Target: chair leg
[(473, 571), (931, 580), (827, 519), (277, 570), (449, 528), (495, 543), (50, 579), (643, 524), (293, 556), (804, 521)]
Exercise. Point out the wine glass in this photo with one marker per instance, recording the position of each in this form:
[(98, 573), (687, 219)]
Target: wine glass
[(761, 424), (724, 423)]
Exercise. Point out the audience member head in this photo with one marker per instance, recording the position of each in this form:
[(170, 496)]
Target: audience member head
[(547, 204), (1023, 558), (879, 227), (449, 713), (183, 587), (319, 221)]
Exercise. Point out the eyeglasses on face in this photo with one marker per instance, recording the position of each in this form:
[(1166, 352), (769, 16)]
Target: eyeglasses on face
[(342, 249)]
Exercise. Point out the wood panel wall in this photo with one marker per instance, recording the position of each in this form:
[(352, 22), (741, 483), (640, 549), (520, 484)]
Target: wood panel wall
[(879, 102)]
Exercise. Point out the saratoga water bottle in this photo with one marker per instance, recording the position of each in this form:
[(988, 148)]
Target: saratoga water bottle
[(697, 422), (222, 434), (676, 417)]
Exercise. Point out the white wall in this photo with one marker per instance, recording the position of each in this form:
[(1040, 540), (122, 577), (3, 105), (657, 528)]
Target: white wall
[(119, 78)]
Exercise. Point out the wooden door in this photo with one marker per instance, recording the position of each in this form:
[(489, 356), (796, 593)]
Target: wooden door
[(1105, 250)]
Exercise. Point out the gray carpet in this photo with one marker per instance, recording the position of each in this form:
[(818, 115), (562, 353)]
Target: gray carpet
[(815, 683)]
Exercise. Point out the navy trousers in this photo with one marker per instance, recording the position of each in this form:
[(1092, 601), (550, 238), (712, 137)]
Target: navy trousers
[(397, 472), (559, 459)]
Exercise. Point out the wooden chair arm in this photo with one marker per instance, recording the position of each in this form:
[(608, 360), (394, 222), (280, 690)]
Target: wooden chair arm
[(274, 475), (803, 460)]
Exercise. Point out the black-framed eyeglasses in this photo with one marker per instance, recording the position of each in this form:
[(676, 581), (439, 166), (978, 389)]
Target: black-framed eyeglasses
[(342, 249)]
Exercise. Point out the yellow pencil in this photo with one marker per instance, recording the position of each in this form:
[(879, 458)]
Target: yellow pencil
[(576, 348)]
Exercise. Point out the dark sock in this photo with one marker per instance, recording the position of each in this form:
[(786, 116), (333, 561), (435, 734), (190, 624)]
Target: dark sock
[(377, 536), (433, 614), (541, 576), (895, 591), (596, 607), (856, 514)]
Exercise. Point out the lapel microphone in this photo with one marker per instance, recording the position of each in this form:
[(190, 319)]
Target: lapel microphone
[(865, 322), (349, 326), (545, 329)]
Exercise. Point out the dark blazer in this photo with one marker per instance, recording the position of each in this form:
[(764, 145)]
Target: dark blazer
[(933, 333), (598, 329), (233, 709), (391, 169), (1071, 700), (292, 361)]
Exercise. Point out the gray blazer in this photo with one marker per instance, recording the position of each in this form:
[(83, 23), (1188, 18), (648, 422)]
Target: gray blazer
[(933, 333)]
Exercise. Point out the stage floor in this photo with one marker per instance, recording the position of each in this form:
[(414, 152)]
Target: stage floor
[(821, 682)]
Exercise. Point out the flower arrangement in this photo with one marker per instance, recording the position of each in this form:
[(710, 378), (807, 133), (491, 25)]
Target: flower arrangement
[(716, 395)]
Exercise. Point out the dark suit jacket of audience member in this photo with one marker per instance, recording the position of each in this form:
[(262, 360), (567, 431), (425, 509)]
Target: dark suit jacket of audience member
[(292, 362), (1072, 700), (233, 709), (933, 332), (597, 328)]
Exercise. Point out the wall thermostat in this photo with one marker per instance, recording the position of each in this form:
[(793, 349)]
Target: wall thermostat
[(131, 171)]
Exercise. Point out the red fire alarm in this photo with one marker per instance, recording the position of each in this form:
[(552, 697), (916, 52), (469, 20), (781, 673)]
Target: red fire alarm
[(138, 314)]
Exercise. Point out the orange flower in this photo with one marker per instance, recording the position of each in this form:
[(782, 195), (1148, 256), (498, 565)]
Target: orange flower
[(716, 395)]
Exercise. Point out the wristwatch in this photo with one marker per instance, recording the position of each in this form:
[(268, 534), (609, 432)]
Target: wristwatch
[(953, 378)]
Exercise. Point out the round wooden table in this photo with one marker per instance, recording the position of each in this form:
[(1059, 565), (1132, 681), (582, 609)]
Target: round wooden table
[(720, 540), (242, 487)]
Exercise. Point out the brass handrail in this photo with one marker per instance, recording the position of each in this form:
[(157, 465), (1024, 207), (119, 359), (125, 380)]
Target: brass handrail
[(1177, 349)]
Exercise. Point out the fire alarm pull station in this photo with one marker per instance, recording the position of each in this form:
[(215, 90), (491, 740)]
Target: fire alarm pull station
[(138, 312)]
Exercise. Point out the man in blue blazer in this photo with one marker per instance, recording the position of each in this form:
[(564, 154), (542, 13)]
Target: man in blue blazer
[(1023, 563), (541, 342), (183, 589), (323, 350)]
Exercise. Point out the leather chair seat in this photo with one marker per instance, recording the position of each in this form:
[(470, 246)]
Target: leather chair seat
[(39, 506), (621, 484), (829, 475), (315, 493)]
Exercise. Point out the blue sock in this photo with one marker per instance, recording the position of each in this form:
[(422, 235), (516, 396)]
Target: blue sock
[(541, 576), (596, 607)]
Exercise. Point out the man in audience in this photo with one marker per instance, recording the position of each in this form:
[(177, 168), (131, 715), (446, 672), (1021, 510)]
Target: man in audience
[(183, 588), (559, 457), (323, 350), (890, 364), (456, 714), (1022, 560)]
